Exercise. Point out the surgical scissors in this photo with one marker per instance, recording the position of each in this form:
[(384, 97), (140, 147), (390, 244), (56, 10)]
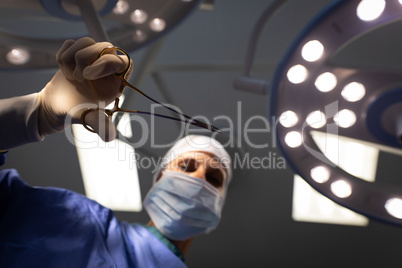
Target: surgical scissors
[(124, 83)]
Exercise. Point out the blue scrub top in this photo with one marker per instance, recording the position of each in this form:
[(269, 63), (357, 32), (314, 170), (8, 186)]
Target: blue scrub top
[(53, 227)]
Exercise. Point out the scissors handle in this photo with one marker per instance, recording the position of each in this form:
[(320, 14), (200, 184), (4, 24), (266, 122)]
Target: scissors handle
[(122, 75)]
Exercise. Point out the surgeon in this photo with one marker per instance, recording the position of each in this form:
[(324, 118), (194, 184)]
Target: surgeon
[(53, 227)]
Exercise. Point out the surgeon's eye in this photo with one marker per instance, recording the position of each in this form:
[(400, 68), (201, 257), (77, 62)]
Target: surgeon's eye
[(188, 165), (215, 178)]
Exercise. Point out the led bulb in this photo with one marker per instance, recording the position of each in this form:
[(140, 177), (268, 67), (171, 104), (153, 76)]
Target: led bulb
[(345, 118), (326, 82), (297, 74), (353, 92), (316, 119), (18, 56), (394, 207), (157, 25), (369, 10), (121, 7), (320, 174), (341, 188), (139, 36), (293, 139), (138, 16), (312, 51), (288, 119)]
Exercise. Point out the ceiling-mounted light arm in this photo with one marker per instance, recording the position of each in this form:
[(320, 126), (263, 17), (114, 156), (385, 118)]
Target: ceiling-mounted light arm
[(246, 81), (92, 20)]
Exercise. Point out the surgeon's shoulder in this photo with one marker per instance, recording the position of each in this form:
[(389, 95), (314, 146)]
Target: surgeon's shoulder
[(9, 178)]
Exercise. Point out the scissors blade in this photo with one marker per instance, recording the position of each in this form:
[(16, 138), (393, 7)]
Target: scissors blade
[(190, 120)]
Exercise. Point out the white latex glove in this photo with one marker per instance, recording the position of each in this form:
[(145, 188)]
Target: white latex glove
[(83, 81)]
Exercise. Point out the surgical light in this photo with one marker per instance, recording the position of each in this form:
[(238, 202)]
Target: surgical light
[(288, 119), (129, 24), (345, 118), (297, 74), (18, 56), (353, 91), (341, 188), (138, 16), (320, 174), (157, 24), (369, 10), (394, 207), (316, 119), (122, 6), (358, 104), (293, 139), (139, 36), (312, 50), (326, 82)]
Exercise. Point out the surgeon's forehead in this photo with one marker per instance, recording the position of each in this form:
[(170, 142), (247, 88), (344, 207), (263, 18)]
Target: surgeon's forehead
[(197, 154)]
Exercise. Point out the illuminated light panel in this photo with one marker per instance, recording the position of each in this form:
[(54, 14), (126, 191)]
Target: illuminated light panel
[(341, 188), (297, 74), (293, 139), (351, 155), (18, 56), (400, 2), (326, 82), (311, 206), (124, 126), (345, 118), (312, 51), (320, 174), (138, 16), (316, 119), (394, 207), (369, 10), (288, 119), (353, 92), (157, 24), (121, 7), (109, 170)]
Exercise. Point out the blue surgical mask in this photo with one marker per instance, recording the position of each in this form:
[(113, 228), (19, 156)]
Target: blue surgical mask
[(182, 206)]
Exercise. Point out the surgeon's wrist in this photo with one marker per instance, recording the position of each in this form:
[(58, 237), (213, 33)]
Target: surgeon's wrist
[(47, 122)]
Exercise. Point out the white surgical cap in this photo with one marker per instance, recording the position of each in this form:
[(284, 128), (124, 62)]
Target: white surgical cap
[(198, 143)]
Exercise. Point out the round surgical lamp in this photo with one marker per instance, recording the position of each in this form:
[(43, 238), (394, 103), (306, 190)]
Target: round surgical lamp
[(32, 31), (355, 102)]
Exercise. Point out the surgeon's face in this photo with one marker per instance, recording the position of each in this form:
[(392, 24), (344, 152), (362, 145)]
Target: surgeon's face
[(204, 166)]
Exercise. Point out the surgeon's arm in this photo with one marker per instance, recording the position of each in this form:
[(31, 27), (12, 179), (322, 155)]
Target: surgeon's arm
[(83, 80), (19, 121)]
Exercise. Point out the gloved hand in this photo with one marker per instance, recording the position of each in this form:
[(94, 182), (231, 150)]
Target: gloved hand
[(83, 81)]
